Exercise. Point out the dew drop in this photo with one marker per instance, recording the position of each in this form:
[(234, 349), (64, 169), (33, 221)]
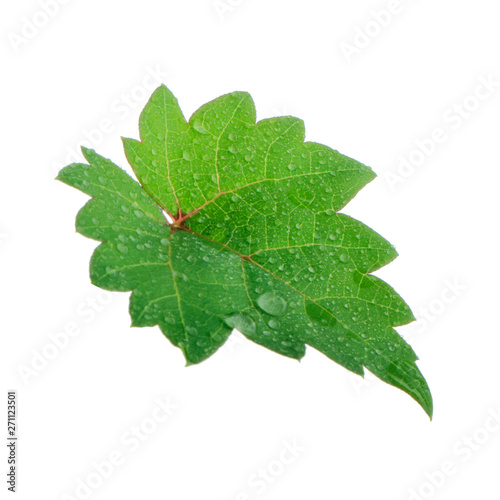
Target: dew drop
[(122, 248), (344, 257), (199, 127), (272, 304), (274, 324), (242, 322)]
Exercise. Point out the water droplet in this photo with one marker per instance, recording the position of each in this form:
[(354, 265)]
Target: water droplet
[(344, 257), (242, 322), (274, 324), (122, 248), (199, 127), (180, 276), (272, 304), (187, 155)]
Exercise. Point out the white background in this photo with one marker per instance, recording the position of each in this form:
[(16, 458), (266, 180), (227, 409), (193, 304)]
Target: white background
[(90, 62)]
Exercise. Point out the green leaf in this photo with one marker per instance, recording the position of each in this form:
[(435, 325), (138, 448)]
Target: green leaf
[(235, 224)]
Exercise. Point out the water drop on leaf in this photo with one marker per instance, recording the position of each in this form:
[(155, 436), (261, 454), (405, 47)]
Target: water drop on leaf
[(122, 248), (272, 304), (344, 257), (241, 322)]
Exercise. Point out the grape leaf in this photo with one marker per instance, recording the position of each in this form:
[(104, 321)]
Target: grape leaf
[(235, 224)]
